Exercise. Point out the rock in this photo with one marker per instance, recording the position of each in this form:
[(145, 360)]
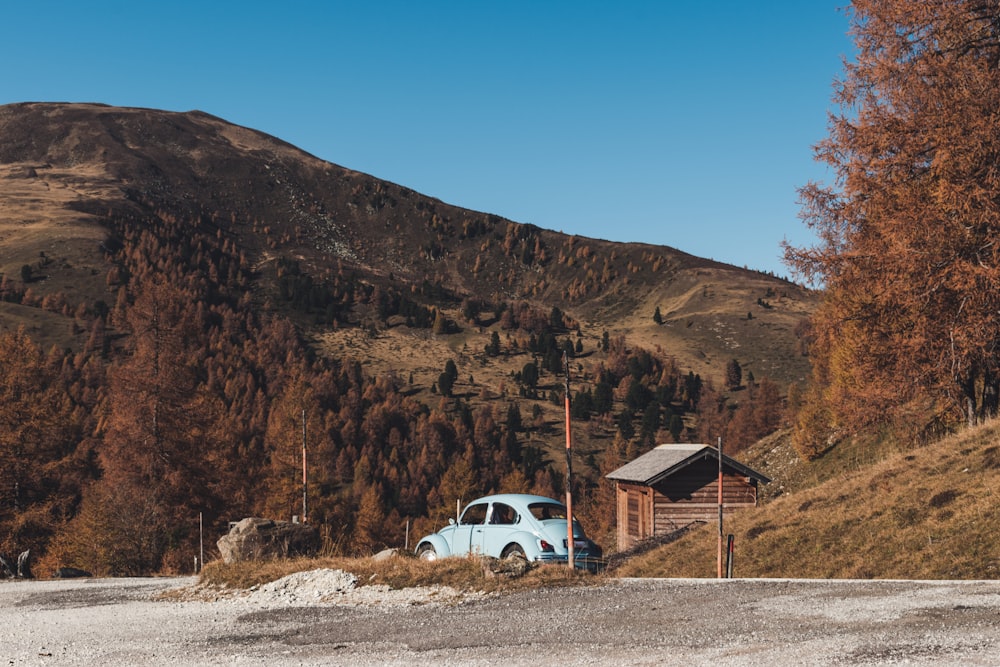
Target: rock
[(70, 573), (6, 569), (24, 565), (511, 567), (264, 539), (20, 569), (385, 554)]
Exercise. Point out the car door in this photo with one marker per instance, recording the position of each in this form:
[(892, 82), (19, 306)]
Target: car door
[(499, 532), (468, 533)]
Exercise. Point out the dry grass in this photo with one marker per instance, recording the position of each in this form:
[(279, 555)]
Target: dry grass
[(398, 572), (930, 513)]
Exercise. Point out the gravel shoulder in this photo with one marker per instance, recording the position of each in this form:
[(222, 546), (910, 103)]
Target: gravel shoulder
[(323, 617)]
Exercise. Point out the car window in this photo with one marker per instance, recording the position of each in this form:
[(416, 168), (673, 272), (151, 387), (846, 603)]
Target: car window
[(543, 511), (503, 514), (475, 514)]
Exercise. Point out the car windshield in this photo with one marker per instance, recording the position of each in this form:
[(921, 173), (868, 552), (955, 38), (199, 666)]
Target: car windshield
[(543, 511)]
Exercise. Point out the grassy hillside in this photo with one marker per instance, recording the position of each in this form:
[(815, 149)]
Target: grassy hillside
[(927, 513)]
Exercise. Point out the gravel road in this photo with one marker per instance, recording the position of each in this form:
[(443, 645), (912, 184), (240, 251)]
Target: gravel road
[(317, 620)]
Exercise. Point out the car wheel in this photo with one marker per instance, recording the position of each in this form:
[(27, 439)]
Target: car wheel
[(512, 551), (427, 552)]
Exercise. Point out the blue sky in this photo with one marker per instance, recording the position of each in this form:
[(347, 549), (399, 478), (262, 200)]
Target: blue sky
[(675, 123)]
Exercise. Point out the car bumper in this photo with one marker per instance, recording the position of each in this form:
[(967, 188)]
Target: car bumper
[(584, 561)]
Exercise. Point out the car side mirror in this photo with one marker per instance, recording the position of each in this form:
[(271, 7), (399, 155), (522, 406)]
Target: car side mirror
[(451, 522)]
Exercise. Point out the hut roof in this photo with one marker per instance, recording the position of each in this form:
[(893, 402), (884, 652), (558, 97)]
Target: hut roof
[(665, 460)]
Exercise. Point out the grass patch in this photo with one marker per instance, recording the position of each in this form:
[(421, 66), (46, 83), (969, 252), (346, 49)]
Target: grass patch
[(398, 572), (927, 513)]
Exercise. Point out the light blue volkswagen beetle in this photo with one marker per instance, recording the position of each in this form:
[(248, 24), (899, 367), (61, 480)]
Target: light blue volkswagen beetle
[(512, 523)]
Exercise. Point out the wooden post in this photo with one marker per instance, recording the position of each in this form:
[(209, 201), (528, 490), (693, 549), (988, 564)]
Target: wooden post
[(720, 509), (569, 472), (201, 541), (305, 476)]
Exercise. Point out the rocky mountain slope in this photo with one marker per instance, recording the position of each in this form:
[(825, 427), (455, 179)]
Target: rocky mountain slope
[(65, 168)]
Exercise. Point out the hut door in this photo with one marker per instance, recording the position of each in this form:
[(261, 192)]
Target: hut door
[(638, 521)]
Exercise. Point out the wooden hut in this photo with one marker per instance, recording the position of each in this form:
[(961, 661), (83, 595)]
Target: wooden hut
[(675, 485)]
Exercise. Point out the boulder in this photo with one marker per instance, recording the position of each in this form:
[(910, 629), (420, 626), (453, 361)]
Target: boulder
[(21, 568), (7, 569), (511, 567), (70, 573), (24, 565), (265, 539)]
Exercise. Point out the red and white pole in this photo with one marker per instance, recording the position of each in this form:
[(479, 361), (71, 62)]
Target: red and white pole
[(720, 508), (569, 471)]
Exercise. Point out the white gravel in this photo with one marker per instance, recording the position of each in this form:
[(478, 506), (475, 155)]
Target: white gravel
[(325, 587), (324, 617)]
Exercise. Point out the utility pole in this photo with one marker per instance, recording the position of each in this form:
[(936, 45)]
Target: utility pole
[(720, 508), (305, 474), (569, 471)]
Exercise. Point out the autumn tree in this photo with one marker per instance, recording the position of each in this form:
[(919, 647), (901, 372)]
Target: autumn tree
[(909, 232), (370, 528), (163, 426), (285, 439), (36, 445)]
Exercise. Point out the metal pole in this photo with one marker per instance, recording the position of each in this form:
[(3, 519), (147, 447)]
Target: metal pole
[(569, 472), (720, 508), (305, 477)]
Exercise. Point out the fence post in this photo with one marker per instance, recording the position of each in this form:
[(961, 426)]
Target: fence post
[(729, 556)]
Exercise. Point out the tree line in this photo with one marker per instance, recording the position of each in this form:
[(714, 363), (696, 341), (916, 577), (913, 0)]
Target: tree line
[(188, 399)]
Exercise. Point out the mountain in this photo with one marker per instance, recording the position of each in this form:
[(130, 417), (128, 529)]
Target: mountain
[(66, 167), (196, 297)]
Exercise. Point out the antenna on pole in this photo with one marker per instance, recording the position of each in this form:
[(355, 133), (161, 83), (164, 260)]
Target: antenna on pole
[(569, 470)]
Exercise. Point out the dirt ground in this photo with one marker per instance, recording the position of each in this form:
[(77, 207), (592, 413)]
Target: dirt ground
[(635, 622)]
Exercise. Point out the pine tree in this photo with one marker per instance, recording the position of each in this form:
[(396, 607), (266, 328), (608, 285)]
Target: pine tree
[(734, 374)]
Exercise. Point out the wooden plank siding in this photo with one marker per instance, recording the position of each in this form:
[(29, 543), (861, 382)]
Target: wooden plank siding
[(689, 495), (635, 511)]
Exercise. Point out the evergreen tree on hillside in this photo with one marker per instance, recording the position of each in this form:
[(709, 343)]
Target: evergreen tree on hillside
[(734, 374)]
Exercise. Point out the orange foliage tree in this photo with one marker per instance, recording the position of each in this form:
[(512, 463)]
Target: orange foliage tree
[(38, 461), (909, 234), (164, 429)]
